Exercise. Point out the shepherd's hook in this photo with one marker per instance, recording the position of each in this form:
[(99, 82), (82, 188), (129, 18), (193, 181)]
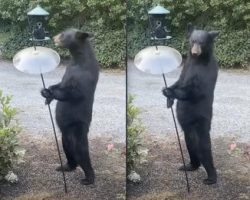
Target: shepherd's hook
[(178, 137), (54, 130)]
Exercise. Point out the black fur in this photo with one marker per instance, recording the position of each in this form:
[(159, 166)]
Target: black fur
[(75, 95), (194, 92)]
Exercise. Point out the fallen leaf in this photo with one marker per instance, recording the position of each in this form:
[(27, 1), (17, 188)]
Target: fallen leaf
[(232, 146), (110, 147)]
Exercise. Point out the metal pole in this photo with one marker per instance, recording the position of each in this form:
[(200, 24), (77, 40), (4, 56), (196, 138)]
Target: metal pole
[(179, 141), (54, 130), (32, 37), (177, 133)]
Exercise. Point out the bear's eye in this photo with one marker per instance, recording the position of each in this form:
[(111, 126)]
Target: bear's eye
[(62, 34)]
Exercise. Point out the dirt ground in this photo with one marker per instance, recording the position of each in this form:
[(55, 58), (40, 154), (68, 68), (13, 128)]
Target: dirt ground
[(38, 179), (162, 181)]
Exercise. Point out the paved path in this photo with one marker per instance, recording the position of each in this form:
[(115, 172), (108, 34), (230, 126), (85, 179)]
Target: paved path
[(231, 104), (109, 106)]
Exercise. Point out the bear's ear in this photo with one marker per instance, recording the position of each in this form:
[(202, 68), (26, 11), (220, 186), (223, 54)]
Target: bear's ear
[(190, 29), (83, 35), (213, 34)]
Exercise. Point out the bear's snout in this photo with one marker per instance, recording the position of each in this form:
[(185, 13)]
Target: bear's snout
[(57, 40), (196, 49)]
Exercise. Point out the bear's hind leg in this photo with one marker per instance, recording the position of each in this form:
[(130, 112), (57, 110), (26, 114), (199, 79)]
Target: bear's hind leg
[(191, 140), (205, 153), (82, 153), (67, 142)]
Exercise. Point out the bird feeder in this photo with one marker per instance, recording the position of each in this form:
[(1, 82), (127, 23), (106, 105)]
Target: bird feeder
[(37, 18), (158, 24)]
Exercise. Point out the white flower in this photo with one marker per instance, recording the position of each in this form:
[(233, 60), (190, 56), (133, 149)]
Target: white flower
[(11, 177), (20, 154), (134, 177)]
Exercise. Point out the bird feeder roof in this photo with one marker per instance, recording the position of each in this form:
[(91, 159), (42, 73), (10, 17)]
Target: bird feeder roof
[(38, 11), (158, 10)]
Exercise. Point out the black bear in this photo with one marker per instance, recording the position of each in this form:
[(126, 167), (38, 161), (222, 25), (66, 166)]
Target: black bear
[(194, 92), (75, 95)]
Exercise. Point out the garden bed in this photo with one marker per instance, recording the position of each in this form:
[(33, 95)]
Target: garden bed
[(39, 180), (162, 181)]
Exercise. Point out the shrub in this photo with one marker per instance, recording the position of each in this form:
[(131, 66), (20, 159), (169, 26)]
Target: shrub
[(9, 148), (233, 47), (231, 18), (134, 135), (16, 41), (94, 15), (109, 46)]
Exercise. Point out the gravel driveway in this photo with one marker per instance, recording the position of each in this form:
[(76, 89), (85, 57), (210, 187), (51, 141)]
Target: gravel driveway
[(109, 106), (231, 104)]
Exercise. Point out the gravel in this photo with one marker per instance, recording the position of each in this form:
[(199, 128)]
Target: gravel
[(109, 106), (231, 104)]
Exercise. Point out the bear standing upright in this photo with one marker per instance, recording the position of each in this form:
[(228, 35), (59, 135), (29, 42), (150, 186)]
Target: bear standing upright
[(194, 92), (75, 95)]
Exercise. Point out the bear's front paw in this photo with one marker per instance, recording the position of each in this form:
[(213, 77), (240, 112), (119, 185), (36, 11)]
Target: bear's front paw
[(168, 92), (48, 101), (170, 102), (46, 93)]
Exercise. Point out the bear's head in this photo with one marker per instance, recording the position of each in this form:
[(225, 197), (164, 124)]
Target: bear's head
[(200, 41), (71, 38)]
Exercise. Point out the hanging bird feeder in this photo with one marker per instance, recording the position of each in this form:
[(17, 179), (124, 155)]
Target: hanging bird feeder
[(37, 24), (158, 24)]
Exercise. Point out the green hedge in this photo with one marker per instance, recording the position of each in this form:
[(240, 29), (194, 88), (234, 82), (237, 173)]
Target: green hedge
[(231, 18), (107, 20), (232, 48), (109, 47), (93, 15)]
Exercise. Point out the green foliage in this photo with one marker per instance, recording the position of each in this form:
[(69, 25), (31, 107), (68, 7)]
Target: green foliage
[(19, 40), (233, 47), (110, 48), (134, 135), (8, 135), (109, 45), (92, 15), (231, 18), (15, 42), (14, 11), (137, 40)]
